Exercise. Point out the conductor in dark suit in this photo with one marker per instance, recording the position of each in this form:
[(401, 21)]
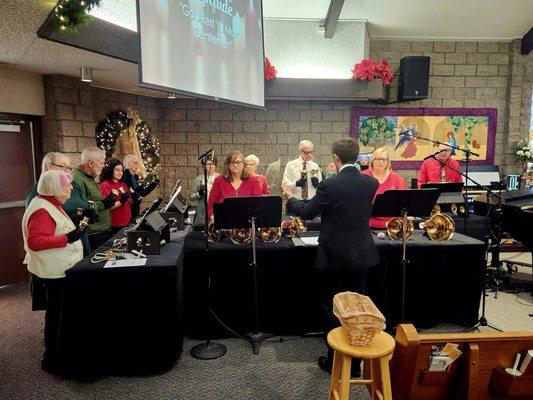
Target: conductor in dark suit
[(346, 249)]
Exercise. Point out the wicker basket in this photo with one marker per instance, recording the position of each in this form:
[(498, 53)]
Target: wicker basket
[(359, 317)]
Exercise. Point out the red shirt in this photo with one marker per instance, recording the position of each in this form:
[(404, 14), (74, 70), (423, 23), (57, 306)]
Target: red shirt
[(431, 170), (42, 228), (263, 184), (394, 181), (121, 215), (222, 189)]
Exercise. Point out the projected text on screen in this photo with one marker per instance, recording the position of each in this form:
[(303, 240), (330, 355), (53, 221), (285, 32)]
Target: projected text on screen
[(211, 48)]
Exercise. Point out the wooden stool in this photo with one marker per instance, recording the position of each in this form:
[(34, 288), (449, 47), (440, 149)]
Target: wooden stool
[(376, 370)]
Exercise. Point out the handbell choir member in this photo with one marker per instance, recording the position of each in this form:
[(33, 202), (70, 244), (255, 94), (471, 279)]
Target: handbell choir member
[(440, 169), (233, 182), (303, 174), (199, 189), (380, 168)]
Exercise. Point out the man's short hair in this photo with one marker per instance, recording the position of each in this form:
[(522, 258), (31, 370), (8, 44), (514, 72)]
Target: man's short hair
[(346, 149), (304, 143), (92, 153), (53, 183)]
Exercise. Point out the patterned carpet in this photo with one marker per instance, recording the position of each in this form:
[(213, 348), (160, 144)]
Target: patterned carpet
[(285, 370)]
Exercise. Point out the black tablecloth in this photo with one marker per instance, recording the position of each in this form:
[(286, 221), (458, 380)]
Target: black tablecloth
[(126, 319), (443, 284)]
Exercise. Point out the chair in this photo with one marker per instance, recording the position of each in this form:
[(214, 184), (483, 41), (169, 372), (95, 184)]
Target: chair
[(376, 365)]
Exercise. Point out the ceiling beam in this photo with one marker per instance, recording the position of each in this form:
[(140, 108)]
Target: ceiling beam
[(332, 17)]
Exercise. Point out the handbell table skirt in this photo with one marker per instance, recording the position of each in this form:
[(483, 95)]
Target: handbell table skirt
[(126, 319), (443, 284)]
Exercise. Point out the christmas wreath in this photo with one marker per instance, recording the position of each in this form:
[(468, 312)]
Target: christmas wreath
[(144, 145)]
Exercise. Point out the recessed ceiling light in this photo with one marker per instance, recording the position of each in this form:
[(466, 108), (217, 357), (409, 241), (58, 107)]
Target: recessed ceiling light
[(171, 95)]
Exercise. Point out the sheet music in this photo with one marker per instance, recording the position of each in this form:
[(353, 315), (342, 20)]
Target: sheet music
[(126, 263), (310, 240)]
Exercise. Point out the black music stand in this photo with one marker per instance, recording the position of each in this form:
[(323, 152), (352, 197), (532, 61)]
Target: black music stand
[(250, 212), (208, 350), (416, 203)]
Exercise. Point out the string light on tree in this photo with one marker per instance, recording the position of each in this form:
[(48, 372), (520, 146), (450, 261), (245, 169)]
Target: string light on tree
[(71, 14)]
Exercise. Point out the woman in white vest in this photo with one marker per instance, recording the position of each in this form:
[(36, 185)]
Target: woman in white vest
[(52, 245)]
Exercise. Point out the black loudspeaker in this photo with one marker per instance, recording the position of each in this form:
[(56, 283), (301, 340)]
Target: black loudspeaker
[(527, 42), (414, 78)]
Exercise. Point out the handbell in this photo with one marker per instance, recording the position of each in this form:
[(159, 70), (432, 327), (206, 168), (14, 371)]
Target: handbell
[(395, 228), (83, 223), (439, 227)]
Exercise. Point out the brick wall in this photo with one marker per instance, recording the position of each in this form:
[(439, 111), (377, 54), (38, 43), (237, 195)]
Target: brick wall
[(462, 74)]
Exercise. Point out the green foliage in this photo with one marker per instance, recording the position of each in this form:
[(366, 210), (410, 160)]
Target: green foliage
[(468, 122), (71, 14), (377, 131)]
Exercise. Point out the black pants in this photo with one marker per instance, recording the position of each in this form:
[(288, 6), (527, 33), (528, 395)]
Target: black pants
[(331, 283), (55, 289), (98, 239)]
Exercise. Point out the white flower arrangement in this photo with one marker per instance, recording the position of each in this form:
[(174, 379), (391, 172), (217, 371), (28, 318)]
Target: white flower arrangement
[(523, 152)]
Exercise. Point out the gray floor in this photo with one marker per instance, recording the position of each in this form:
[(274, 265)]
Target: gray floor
[(285, 370)]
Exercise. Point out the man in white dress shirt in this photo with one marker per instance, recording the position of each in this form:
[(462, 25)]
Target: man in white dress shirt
[(303, 174)]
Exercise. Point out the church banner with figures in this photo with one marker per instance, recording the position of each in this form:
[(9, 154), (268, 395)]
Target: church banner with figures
[(410, 134)]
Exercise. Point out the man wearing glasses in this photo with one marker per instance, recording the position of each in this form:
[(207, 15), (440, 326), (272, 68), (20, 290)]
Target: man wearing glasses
[(303, 174), (441, 168)]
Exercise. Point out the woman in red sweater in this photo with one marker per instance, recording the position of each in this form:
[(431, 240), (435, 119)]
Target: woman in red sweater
[(233, 182), (251, 163), (110, 183), (381, 169)]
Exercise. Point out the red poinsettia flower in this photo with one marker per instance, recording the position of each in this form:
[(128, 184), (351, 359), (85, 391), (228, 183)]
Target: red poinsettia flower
[(369, 69), (270, 70)]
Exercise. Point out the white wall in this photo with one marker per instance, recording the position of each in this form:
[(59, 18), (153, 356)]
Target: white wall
[(298, 48), (21, 92)]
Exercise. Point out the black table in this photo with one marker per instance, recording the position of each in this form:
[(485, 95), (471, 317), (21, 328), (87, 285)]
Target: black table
[(443, 284), (127, 319)]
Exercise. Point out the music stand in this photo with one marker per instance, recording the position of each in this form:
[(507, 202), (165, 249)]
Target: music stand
[(250, 212), (416, 203)]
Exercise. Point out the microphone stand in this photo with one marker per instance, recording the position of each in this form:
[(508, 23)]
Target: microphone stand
[(207, 350), (494, 247), (468, 154)]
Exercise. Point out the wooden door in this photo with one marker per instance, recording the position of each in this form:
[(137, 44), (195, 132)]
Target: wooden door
[(17, 174)]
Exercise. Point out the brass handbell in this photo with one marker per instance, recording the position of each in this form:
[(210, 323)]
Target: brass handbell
[(395, 228), (213, 234), (241, 236), (439, 227), (270, 235)]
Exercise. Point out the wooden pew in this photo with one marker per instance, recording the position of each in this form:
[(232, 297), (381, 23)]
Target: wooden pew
[(469, 376)]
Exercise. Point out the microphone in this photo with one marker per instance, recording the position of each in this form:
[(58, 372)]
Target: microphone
[(434, 154), (204, 155)]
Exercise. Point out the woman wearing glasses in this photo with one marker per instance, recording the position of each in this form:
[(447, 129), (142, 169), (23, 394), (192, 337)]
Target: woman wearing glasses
[(198, 190), (60, 162), (381, 169), (233, 182)]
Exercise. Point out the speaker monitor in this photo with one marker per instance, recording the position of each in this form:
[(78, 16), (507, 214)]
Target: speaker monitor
[(414, 78)]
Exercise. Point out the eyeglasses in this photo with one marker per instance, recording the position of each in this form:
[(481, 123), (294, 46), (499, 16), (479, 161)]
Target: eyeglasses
[(308, 152), (249, 164), (210, 163), (236, 162), (63, 167), (381, 159)]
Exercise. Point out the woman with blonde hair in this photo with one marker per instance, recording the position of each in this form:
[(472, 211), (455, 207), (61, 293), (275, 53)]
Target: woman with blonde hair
[(251, 163), (380, 167), (52, 243), (233, 182)]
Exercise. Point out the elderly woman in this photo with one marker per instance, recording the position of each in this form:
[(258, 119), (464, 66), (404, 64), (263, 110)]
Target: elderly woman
[(233, 182), (131, 179), (380, 168), (198, 190), (60, 162), (111, 183), (251, 163), (52, 244)]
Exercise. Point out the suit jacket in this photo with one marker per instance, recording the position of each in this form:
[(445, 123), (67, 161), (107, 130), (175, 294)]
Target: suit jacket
[(344, 203)]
